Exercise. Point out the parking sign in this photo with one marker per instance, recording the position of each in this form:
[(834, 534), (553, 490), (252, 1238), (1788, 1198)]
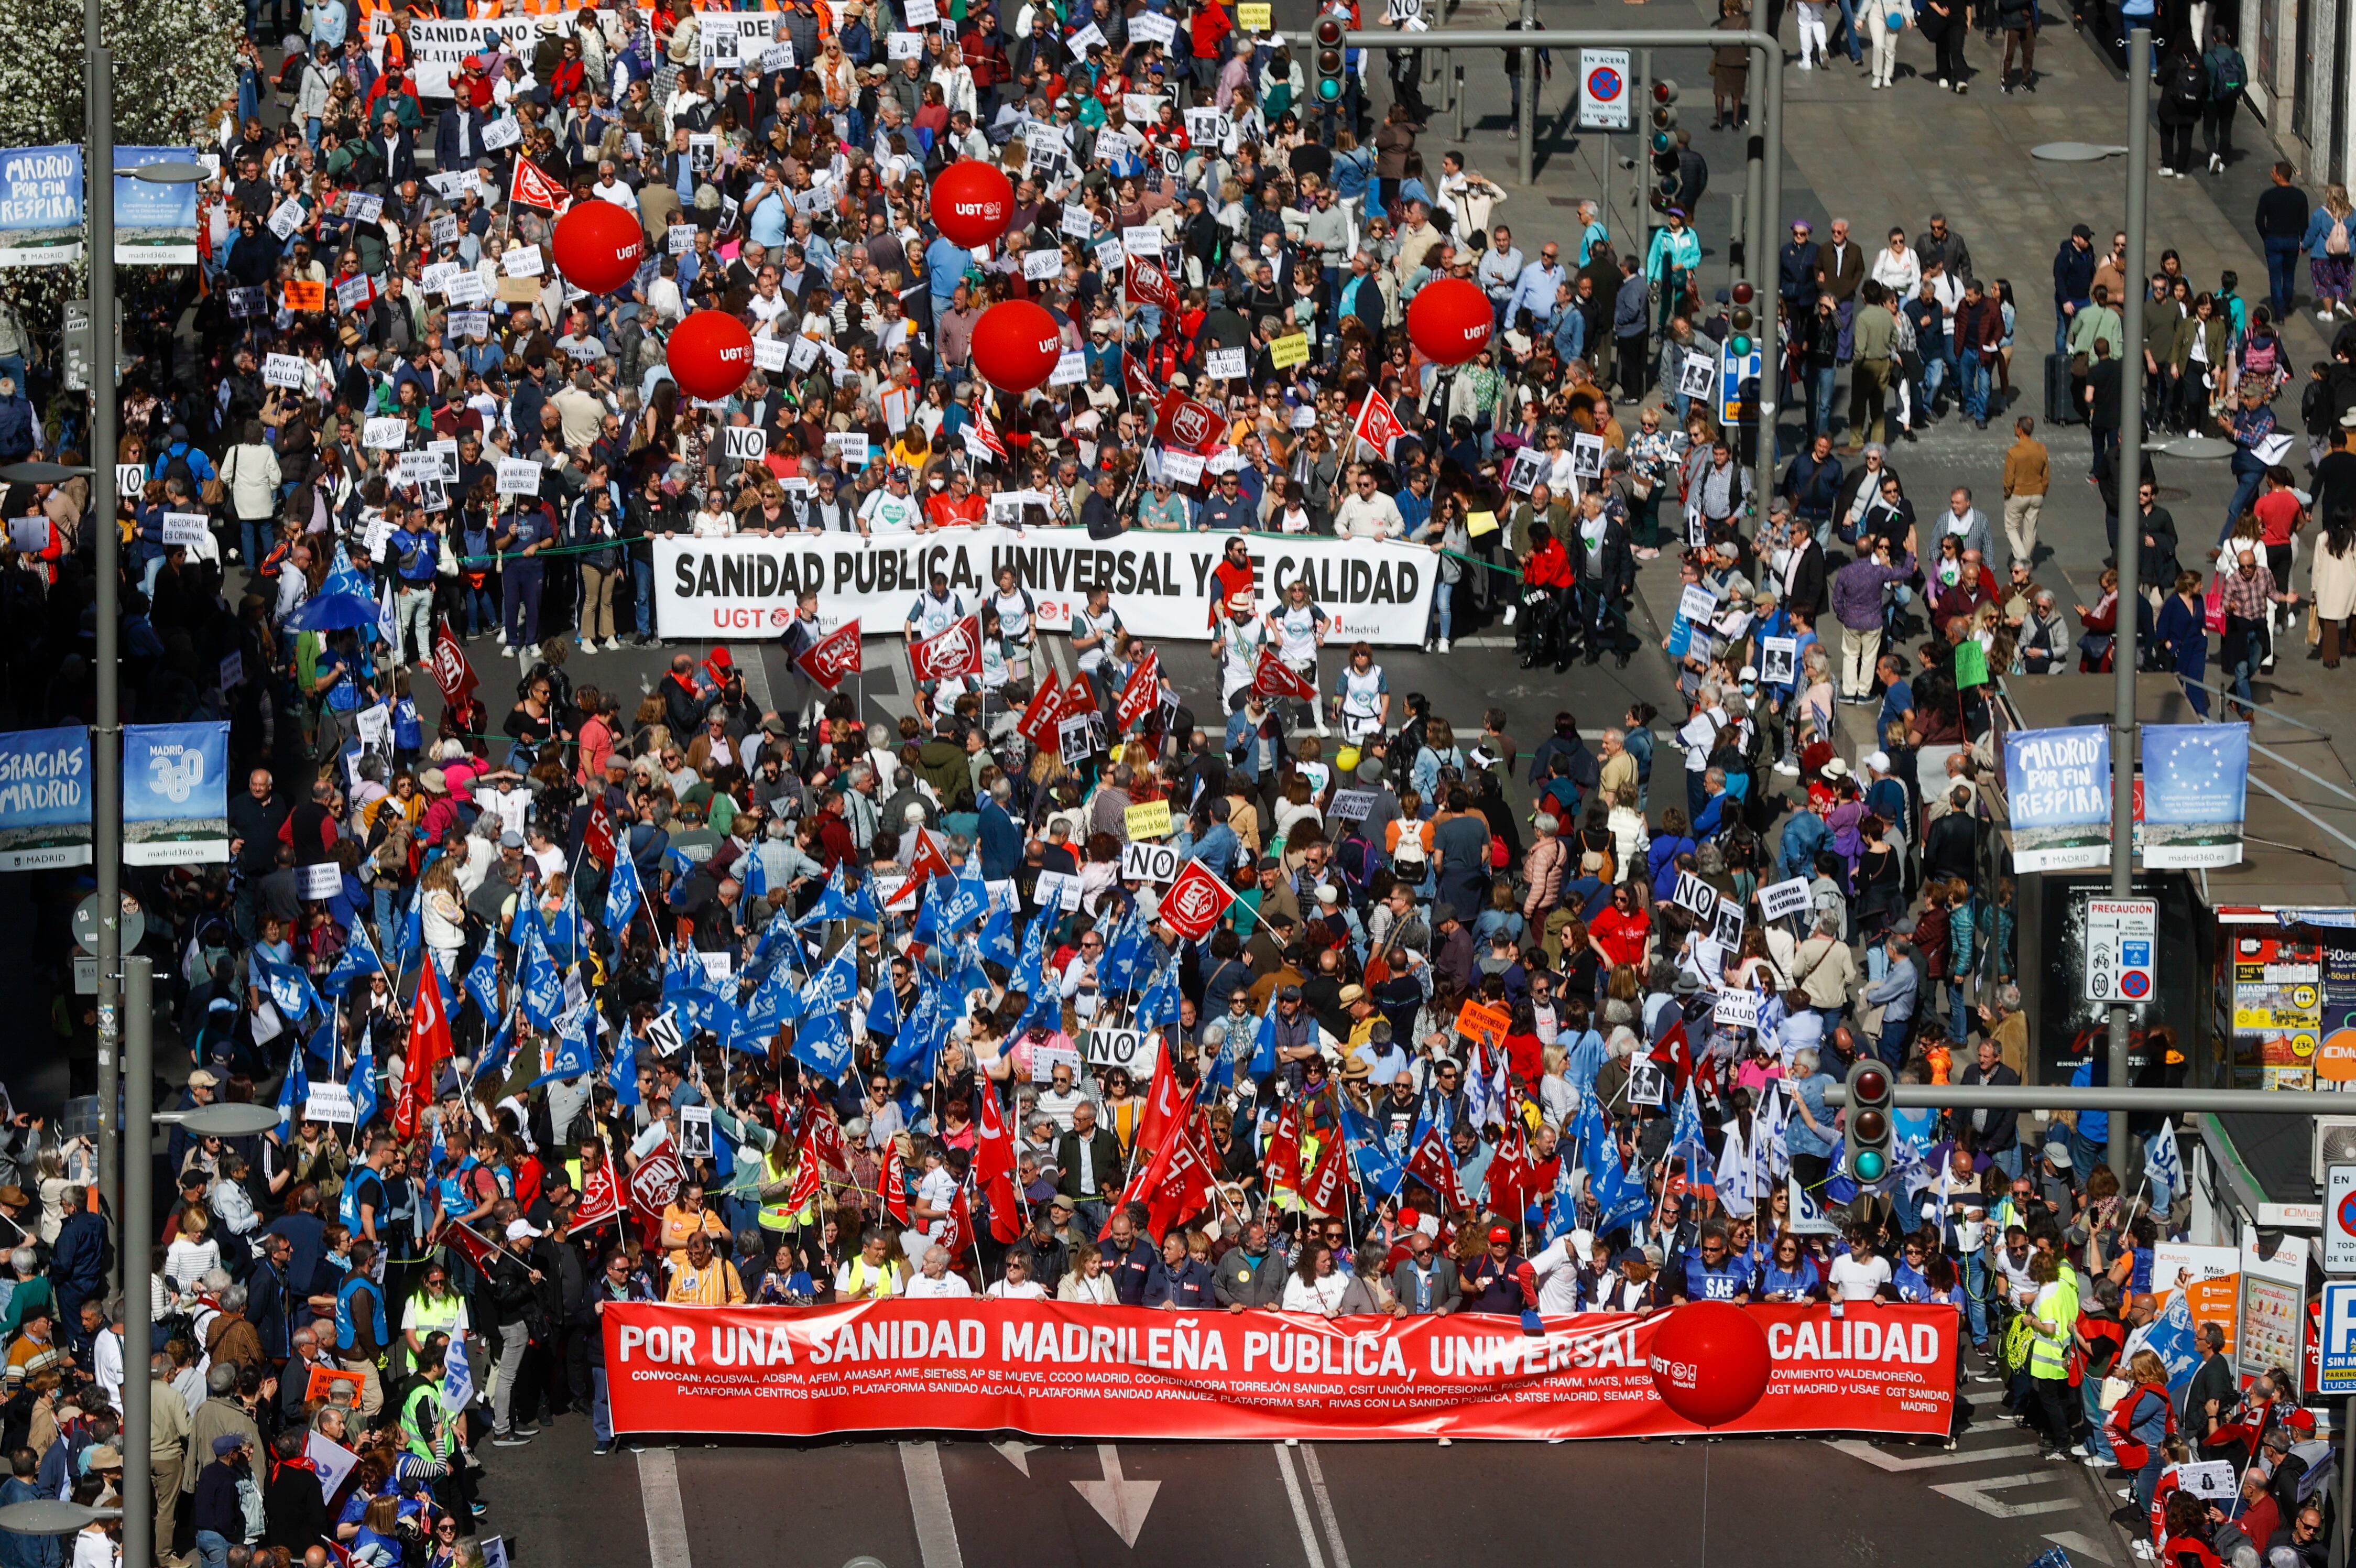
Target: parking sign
[(1603, 90), (2336, 1373)]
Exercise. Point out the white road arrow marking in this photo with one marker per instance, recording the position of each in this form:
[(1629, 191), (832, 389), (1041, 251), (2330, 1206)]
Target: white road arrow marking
[(2082, 1545), (1975, 1494), (1016, 1454), (1121, 1502), (1880, 1461)]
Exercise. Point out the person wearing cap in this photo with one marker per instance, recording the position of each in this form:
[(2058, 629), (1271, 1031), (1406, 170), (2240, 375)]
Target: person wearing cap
[(217, 1512), (1500, 1281)]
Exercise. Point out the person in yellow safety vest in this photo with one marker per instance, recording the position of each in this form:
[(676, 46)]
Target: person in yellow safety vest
[(2053, 1318), (779, 1171), (870, 1276)]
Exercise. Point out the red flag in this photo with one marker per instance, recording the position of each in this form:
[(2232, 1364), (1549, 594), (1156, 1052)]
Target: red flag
[(452, 672), (928, 859), (955, 650), (1674, 1053), (598, 837), (1042, 714), (1431, 1164), (961, 1232), (1378, 423), (1080, 697), (471, 1247), (1514, 1182), (428, 1047), (806, 1176), (1140, 695), (981, 442), (1183, 423), (1282, 1164), (1165, 1106), (1147, 282), (895, 1183), (1140, 384), (1195, 901), (601, 1199), (655, 1182), (826, 1132), (832, 657), (531, 187), (1322, 1189), (1183, 1189), (1272, 677), (993, 1147), (1005, 1211)]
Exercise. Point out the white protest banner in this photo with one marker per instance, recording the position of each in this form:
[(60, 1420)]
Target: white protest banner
[(1206, 127), (506, 131), (434, 276), (1132, 1049), (1696, 894), (523, 261), (1088, 37), (680, 237), (919, 12), (768, 354), (282, 371), (906, 45), (322, 881), (1181, 467), (1058, 889), (1152, 27), (851, 446), (474, 324), (468, 287), (285, 218), (1736, 1010), (1697, 604), (362, 208), (1522, 476), (745, 443), (354, 294), (1779, 899), (1077, 221), (442, 228), (1043, 264), (1142, 240), (1159, 583), (1227, 364), (519, 476), (192, 528), (1778, 660), (417, 466), (1149, 862), (1071, 368), (328, 1102), (385, 432)]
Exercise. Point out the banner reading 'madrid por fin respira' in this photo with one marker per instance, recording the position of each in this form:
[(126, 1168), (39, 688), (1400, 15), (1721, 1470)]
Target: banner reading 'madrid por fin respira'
[(1159, 583), (1064, 1370)]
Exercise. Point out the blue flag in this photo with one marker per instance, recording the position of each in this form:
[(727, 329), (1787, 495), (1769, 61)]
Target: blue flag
[(565, 931), (496, 1050), (832, 904), (1379, 1168), (572, 1055), (362, 1085), (624, 893), (288, 988), (294, 1092), (1619, 1192), (997, 944), (822, 1044), (544, 987), (624, 1074), (1563, 1216), (457, 1376), (358, 960), (1686, 1138), (483, 983), (833, 988)]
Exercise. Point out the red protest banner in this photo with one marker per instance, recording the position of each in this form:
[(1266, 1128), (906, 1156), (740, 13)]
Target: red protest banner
[(832, 657), (1060, 1369)]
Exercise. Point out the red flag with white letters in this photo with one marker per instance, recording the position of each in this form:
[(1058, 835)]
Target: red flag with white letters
[(452, 672), (1195, 901), (1272, 677), (1378, 423), (1042, 713), (955, 650), (1140, 695), (832, 657), (531, 187)]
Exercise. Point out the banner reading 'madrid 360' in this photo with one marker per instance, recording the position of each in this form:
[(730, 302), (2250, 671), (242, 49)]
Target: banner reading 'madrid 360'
[(1159, 583), (1066, 1370)]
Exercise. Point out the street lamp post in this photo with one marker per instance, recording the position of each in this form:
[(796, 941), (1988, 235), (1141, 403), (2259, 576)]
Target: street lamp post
[(106, 750), (2128, 548)]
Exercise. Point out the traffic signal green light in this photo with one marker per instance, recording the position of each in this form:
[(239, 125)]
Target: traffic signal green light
[(1331, 62), (1869, 1126), (1741, 318)]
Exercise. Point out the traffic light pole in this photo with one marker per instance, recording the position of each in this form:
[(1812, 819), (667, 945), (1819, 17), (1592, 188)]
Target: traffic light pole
[(1765, 152), (2168, 1102)]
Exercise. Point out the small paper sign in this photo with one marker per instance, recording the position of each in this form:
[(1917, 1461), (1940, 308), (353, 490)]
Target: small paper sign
[(387, 432), (1142, 240), (1151, 820), (1778, 900), (1253, 18), (354, 294), (680, 237), (444, 228), (906, 45), (504, 131), (523, 261), (282, 371), (1289, 352), (519, 477), (322, 881), (1071, 368), (745, 443), (192, 528), (1041, 264), (1226, 364), (285, 218)]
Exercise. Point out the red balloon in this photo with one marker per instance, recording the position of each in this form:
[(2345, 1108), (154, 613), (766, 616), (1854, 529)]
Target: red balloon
[(1016, 345), (1710, 1361), (711, 354), (1449, 320), (973, 202), (599, 246)]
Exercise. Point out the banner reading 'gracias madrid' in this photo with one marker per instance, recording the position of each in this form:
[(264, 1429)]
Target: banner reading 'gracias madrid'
[(1160, 584), (1059, 1369)]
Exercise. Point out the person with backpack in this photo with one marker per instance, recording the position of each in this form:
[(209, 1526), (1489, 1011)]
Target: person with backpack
[(2183, 96), (2228, 77), (2328, 252)]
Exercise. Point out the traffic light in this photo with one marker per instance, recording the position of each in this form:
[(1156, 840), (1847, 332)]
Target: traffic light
[(1869, 1120), (1740, 319), (1668, 178), (1330, 61)]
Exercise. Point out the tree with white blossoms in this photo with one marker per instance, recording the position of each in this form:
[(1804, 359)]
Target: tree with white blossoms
[(175, 64)]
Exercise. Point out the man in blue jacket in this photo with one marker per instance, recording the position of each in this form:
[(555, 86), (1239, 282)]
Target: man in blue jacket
[(2073, 281), (78, 1263), (20, 428)]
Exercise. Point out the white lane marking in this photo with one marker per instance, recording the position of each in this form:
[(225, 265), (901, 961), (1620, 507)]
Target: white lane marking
[(1300, 1507), (929, 1506), (1975, 1494), (1119, 1501), (1880, 1461), (1016, 1454), (666, 1513), (1326, 1505), (757, 679), (2083, 1545)]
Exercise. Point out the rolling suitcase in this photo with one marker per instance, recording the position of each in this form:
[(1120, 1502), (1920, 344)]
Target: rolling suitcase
[(2060, 407)]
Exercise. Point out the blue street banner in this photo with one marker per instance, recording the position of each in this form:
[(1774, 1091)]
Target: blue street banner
[(154, 225), (40, 207), (2058, 791), (2196, 780), (174, 794), (44, 798)]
